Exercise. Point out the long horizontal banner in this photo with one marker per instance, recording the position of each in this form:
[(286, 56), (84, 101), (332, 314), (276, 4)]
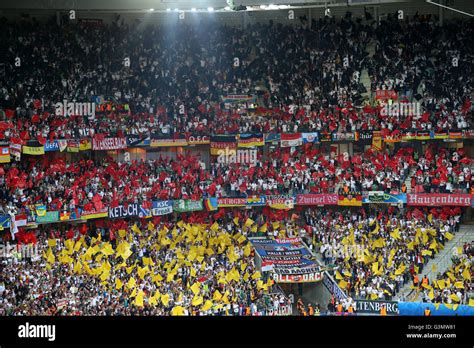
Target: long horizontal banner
[(353, 199), (382, 197), (168, 142), (220, 143), (232, 141), (317, 199), (162, 208), (251, 201), (186, 205), (250, 140), (38, 213), (280, 201), (130, 210), (109, 143), (289, 260), (439, 199), (373, 307)]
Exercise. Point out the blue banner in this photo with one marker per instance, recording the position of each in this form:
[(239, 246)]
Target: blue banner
[(382, 197), (50, 146), (162, 208), (272, 137), (310, 137), (289, 258), (418, 309), (4, 221), (134, 209)]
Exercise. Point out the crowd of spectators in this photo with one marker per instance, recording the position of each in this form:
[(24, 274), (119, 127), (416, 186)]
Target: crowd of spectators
[(377, 252), (305, 78), (134, 268)]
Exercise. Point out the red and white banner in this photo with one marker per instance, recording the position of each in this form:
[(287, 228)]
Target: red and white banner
[(439, 199), (231, 202), (298, 278), (317, 199), (21, 220), (109, 143), (386, 94), (288, 140)]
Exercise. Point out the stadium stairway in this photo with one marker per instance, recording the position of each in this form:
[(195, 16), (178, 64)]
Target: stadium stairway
[(364, 76), (441, 262), (408, 179)]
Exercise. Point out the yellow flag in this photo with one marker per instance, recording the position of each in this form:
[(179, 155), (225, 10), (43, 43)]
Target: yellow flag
[(454, 297), (195, 288), (459, 285), (50, 257), (431, 294), (430, 217), (249, 222), (142, 271), (343, 284), (441, 284), (256, 275), (247, 250), (379, 243), (426, 252), (165, 299), (339, 276), (236, 220), (263, 228), (466, 274), (217, 295), (433, 245), (118, 284), (395, 234), (78, 267), (131, 283), (139, 299), (243, 266), (177, 310), (471, 302), (448, 236), (122, 233), (52, 242), (136, 229), (207, 305), (197, 300), (107, 249), (215, 226)]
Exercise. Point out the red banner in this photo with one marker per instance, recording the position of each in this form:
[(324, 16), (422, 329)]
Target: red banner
[(316, 199), (298, 278), (231, 202), (109, 143), (287, 140), (439, 199), (386, 94)]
